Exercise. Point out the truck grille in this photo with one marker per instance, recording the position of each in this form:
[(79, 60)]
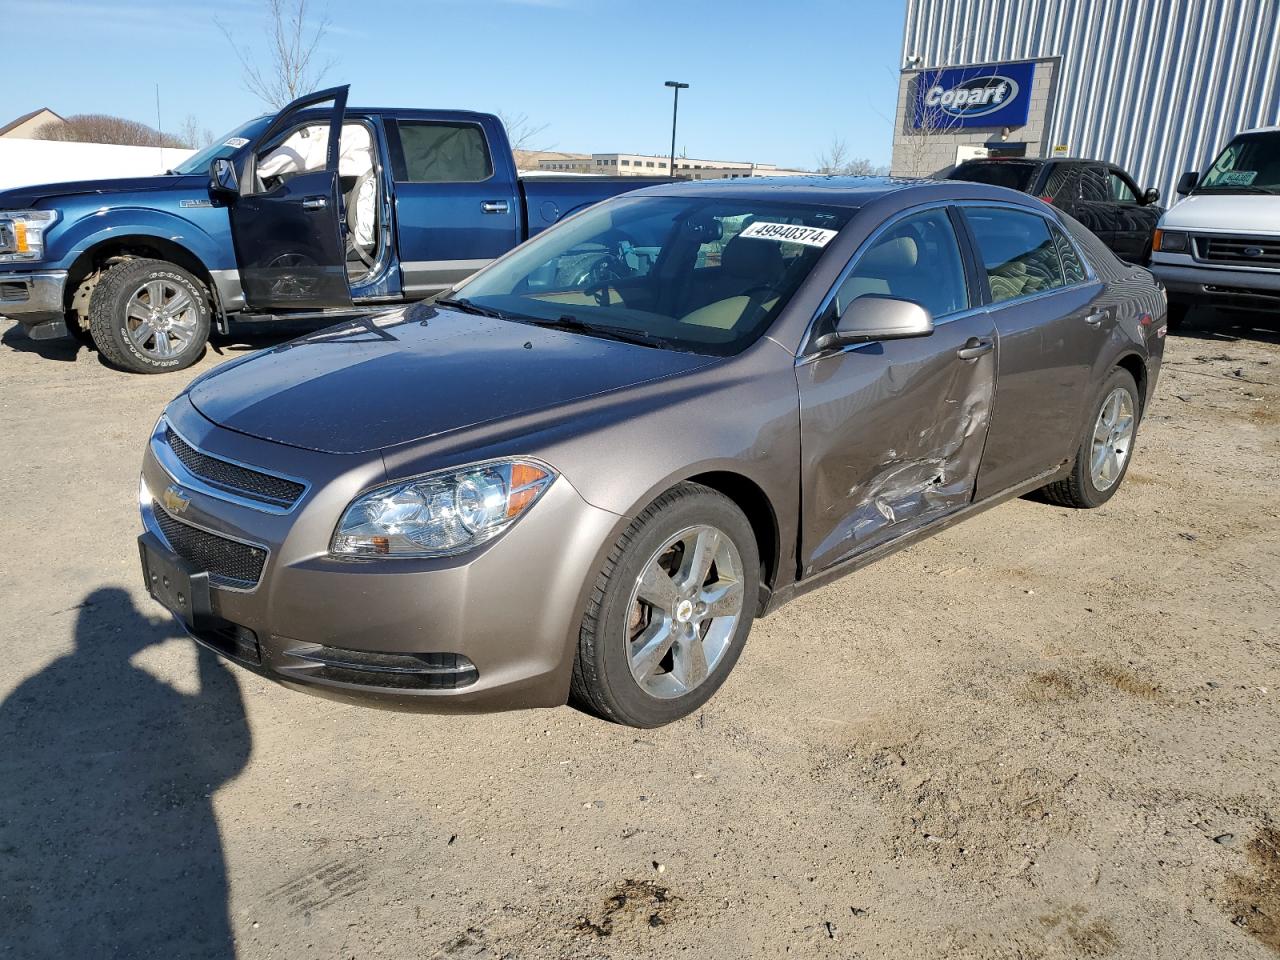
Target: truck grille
[(1262, 251), (229, 563)]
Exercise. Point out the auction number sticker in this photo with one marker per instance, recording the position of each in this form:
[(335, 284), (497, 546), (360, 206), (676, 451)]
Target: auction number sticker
[(1237, 178), (236, 142), (789, 233)]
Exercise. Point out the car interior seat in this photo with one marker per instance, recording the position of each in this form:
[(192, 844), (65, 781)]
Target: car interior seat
[(750, 269)]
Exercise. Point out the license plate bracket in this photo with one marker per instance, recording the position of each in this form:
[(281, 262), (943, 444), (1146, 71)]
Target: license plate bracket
[(173, 582)]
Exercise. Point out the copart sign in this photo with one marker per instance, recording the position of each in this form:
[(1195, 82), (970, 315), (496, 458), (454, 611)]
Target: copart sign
[(992, 95)]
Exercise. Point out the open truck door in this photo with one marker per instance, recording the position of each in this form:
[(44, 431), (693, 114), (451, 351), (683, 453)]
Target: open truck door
[(287, 220)]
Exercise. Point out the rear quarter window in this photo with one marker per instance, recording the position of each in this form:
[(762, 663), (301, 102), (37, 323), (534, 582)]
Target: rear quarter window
[(1096, 254)]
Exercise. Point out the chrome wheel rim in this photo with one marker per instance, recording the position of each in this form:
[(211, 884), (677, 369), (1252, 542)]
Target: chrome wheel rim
[(161, 319), (1112, 439), (684, 610)]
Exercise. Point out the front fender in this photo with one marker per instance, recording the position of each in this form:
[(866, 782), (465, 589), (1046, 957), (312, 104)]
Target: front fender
[(208, 242)]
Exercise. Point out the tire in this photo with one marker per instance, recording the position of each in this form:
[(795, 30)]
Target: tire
[(1082, 488), (603, 680), (127, 287), (1177, 317)]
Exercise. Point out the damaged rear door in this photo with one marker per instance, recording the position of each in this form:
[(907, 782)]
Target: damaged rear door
[(892, 431)]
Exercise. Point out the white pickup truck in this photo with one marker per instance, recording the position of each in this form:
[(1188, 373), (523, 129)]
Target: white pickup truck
[(1221, 245)]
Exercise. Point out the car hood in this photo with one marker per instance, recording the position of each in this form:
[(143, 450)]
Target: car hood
[(1225, 213), (393, 378), (23, 197)]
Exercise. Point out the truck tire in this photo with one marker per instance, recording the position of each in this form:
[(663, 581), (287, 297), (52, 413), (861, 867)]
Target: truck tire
[(149, 316)]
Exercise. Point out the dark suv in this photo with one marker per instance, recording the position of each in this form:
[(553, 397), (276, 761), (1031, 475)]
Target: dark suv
[(1100, 195)]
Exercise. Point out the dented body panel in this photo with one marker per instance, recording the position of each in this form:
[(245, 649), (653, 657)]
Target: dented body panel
[(892, 436)]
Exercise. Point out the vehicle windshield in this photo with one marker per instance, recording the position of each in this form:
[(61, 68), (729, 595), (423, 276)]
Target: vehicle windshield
[(1003, 173), (685, 273), (1248, 164), (225, 146)]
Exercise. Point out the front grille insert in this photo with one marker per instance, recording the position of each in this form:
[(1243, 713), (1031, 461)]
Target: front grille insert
[(394, 671), (1239, 251), (232, 477), (231, 640), (229, 563)]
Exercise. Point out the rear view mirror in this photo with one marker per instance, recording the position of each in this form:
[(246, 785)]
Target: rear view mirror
[(876, 317), (222, 177), (1187, 182), (1151, 196)]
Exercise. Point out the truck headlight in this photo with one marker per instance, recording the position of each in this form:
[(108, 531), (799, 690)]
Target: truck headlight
[(441, 513), (1169, 241), (22, 233)]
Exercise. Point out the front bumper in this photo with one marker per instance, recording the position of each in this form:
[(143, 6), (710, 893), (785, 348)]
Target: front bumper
[(36, 301), (1219, 286), (494, 628)]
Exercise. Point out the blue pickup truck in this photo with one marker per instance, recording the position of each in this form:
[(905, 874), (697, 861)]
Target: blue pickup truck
[(312, 213)]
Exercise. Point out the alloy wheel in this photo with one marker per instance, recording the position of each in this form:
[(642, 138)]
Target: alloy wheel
[(1112, 439), (161, 318), (684, 611)]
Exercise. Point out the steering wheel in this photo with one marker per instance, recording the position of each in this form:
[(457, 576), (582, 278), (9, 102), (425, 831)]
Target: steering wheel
[(601, 275)]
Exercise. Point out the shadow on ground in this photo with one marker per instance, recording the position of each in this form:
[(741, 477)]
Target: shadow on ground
[(108, 842), (1222, 326)]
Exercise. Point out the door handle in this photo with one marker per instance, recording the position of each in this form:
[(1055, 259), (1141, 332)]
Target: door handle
[(1095, 319), (494, 206), (315, 203), (975, 347)]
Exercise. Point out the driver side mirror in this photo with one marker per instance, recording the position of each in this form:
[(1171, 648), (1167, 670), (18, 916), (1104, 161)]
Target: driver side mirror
[(876, 317), (1152, 195), (223, 179), (1187, 182)]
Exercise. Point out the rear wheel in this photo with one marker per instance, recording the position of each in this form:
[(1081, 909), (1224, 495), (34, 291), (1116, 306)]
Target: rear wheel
[(670, 612), (1104, 454), (149, 316)]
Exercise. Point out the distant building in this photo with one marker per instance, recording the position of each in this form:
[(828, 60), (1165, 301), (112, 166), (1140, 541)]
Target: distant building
[(26, 126), (644, 165), (556, 160)]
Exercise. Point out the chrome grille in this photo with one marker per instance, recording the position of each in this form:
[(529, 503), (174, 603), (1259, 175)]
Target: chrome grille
[(229, 563), (232, 477), (1263, 251)]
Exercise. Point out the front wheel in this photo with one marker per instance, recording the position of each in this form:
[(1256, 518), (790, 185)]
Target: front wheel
[(1105, 452), (149, 316), (670, 612)]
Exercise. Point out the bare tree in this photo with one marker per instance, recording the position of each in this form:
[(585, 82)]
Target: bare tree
[(835, 159), (291, 66), (522, 132), (192, 135), (104, 128)]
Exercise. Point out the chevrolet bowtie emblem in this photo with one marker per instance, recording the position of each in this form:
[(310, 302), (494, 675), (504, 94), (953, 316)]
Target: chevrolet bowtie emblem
[(175, 500)]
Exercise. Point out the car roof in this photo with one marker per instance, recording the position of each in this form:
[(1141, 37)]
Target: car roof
[(850, 192)]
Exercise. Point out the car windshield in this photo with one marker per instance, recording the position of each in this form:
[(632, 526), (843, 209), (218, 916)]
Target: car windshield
[(685, 273), (1014, 175), (1248, 164), (225, 146)]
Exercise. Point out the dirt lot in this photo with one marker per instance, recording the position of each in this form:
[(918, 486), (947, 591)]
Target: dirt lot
[(1045, 733)]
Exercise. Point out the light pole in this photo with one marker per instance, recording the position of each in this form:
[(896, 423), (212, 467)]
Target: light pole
[(676, 87)]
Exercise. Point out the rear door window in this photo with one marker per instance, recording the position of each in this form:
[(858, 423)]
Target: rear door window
[(1095, 186), (1017, 252), (1062, 184), (443, 153)]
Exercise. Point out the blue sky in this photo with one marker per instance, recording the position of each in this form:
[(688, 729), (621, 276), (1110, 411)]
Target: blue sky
[(771, 81)]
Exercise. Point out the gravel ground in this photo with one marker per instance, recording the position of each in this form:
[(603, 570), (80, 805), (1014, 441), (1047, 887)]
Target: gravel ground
[(1044, 733)]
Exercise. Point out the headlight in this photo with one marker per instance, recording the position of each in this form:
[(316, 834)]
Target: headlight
[(442, 513), (22, 233), (1170, 241)]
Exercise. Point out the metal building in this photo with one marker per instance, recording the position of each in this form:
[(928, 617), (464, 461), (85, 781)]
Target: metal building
[(1156, 86)]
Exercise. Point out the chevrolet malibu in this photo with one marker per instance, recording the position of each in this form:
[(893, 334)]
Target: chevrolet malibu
[(582, 473)]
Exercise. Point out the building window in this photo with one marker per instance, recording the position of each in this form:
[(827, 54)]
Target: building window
[(648, 163), (626, 163)]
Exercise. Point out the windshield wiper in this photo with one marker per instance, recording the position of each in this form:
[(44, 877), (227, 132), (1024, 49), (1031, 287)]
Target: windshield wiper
[(574, 325), (466, 306)]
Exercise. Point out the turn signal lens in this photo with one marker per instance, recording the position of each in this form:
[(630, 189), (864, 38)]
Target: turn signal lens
[(442, 513)]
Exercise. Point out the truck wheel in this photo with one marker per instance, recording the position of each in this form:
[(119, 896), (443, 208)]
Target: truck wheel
[(149, 316), (670, 611)]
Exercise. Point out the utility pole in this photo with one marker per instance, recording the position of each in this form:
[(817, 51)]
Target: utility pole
[(676, 87)]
